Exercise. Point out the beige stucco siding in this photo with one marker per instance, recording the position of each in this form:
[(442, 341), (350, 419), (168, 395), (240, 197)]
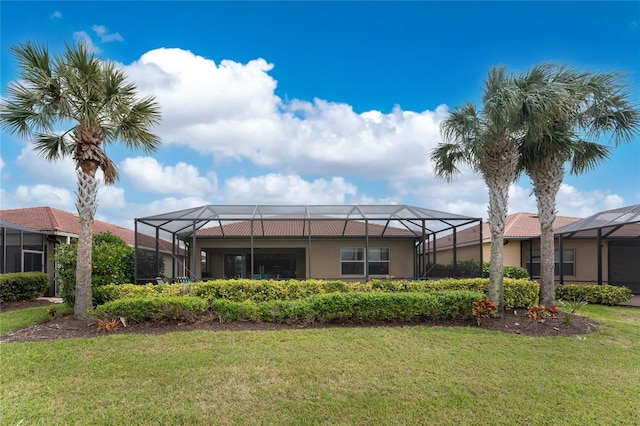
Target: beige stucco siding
[(586, 259), (318, 258)]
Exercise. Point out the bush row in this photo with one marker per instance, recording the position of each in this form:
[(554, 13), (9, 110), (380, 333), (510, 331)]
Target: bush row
[(593, 293), (374, 306), (472, 268), (139, 309), (23, 285), (508, 271), (517, 292)]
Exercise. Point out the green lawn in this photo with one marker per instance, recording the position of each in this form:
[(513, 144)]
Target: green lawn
[(336, 376), (22, 318)]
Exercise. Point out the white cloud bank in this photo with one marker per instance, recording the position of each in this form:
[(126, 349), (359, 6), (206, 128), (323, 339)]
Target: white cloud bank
[(230, 110), (300, 152)]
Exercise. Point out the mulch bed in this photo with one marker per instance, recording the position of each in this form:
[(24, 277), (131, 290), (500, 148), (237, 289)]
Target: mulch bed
[(66, 327)]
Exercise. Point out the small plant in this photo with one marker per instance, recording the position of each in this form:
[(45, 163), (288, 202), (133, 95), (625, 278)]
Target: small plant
[(540, 312), (575, 303), (107, 326), (482, 309)]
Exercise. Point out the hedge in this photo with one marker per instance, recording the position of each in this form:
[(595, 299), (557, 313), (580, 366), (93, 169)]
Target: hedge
[(593, 293), (518, 292), (239, 290), (153, 309), (23, 285), (337, 306), (374, 306)]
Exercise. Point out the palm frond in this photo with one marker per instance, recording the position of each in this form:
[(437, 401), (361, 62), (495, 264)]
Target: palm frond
[(52, 147), (110, 171), (587, 155), (135, 122), (446, 156)]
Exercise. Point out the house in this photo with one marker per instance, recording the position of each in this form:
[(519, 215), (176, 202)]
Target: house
[(585, 258), (347, 242), (28, 237), (521, 232), (606, 247)]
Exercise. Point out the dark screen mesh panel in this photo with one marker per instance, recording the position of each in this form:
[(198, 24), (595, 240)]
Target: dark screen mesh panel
[(624, 264)]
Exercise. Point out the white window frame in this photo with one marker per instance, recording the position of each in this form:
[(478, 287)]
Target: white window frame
[(364, 260), (386, 261)]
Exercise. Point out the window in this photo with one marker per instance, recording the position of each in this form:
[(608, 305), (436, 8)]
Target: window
[(568, 262), (378, 261), (352, 261)]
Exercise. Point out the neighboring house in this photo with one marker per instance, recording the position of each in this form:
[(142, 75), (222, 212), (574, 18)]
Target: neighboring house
[(606, 247), (28, 237), (521, 239), (347, 242), (616, 262)]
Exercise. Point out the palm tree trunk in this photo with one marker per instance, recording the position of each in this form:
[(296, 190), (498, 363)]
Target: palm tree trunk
[(547, 177), (86, 205), (499, 174), (498, 199)]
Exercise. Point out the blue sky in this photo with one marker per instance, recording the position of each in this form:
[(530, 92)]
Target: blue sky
[(314, 102)]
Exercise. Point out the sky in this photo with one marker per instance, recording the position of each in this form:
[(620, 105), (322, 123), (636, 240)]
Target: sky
[(314, 102)]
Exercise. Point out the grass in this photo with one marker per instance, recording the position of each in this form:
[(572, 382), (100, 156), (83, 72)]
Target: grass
[(335, 376), (22, 318)]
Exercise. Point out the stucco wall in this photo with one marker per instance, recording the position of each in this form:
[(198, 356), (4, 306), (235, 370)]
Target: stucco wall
[(586, 259), (318, 259)]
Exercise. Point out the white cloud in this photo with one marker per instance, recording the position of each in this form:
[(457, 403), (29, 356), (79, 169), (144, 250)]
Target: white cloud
[(287, 189), (43, 195), (573, 202), (147, 174), (85, 38), (56, 15), (56, 173), (102, 32), (231, 111)]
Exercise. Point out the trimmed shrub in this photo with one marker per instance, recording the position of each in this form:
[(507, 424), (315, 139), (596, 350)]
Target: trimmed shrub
[(515, 272), (508, 272), (239, 290), (593, 293), (23, 285), (153, 309), (229, 311), (463, 269), (518, 293), (354, 306), (112, 292)]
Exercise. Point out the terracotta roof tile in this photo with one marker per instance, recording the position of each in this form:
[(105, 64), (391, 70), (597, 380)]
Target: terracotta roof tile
[(300, 228), (50, 220), (519, 226)]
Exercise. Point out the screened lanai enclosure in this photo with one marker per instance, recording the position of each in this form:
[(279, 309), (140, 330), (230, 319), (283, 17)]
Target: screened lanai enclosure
[(347, 242), (616, 252)]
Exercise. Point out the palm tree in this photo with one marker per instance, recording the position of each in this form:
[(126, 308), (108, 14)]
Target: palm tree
[(102, 107), (487, 141), (561, 109)]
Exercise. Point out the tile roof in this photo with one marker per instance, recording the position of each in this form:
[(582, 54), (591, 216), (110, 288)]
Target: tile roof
[(60, 222), (519, 226), (300, 228)]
